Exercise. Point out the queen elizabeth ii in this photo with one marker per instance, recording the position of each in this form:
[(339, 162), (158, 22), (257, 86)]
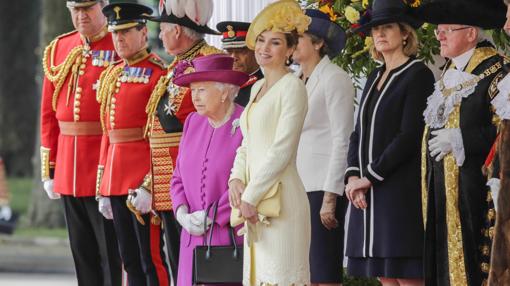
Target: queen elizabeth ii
[(206, 153)]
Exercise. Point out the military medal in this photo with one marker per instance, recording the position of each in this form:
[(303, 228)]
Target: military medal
[(112, 57), (106, 61), (138, 75), (124, 76), (147, 76), (94, 58), (141, 75), (100, 58), (130, 75), (135, 75)]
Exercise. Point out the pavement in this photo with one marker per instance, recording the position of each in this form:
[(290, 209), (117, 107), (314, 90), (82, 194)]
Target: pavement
[(23, 279), (38, 261)]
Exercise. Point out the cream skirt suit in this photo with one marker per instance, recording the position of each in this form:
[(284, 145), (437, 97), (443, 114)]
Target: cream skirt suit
[(271, 129)]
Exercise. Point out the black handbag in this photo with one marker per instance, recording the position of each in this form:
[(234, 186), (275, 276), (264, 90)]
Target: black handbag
[(217, 264)]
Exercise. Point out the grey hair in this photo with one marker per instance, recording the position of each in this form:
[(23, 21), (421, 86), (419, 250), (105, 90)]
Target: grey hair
[(480, 34), (190, 33), (231, 89), (103, 2)]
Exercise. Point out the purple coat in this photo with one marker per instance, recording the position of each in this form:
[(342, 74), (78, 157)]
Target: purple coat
[(200, 178)]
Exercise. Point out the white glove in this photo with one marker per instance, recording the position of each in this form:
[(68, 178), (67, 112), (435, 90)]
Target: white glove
[(190, 223), (445, 142), (105, 207), (48, 187), (494, 184), (142, 201), (5, 213), (198, 218)]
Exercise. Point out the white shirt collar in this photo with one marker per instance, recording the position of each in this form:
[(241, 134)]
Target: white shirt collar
[(461, 61)]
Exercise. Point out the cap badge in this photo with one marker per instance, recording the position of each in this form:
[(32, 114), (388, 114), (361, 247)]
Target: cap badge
[(117, 9), (231, 33)]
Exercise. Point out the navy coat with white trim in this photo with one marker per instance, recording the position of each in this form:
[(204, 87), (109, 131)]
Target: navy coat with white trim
[(385, 148)]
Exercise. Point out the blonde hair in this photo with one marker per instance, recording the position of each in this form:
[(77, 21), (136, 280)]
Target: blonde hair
[(409, 49)]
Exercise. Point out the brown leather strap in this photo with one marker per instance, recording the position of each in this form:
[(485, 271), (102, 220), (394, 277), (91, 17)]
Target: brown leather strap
[(80, 128), (125, 135)]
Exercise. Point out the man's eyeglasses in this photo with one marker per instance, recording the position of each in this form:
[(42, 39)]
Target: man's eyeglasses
[(448, 31)]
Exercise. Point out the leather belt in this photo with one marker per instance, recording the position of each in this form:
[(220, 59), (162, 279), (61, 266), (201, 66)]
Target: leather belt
[(165, 140), (125, 135), (80, 128)]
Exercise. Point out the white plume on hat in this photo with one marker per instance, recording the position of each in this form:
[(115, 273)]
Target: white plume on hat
[(199, 11)]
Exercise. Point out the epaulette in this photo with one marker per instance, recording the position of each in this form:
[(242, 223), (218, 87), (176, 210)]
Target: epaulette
[(57, 74), (66, 34), (209, 50), (159, 62), (49, 51)]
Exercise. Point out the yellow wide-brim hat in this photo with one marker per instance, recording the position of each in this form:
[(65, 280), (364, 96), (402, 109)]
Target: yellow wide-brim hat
[(282, 16)]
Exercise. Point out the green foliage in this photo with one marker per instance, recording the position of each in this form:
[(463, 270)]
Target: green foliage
[(31, 232), (354, 281), (355, 58), (21, 191), (500, 39)]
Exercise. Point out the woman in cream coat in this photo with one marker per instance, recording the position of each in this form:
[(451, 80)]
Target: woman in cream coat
[(274, 254), (322, 152)]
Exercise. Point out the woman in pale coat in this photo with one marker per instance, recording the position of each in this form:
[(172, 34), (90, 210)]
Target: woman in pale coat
[(274, 254), (322, 152)]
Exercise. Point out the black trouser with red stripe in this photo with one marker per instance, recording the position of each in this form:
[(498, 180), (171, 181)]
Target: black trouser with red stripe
[(141, 246), (172, 231), (93, 243)]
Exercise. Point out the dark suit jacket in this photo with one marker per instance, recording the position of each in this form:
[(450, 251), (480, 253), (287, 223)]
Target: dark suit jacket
[(244, 93), (385, 148)]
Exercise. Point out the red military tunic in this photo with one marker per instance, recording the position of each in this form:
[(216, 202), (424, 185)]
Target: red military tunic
[(168, 109), (124, 93), (70, 128)]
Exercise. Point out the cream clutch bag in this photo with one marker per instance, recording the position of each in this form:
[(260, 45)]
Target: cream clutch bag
[(268, 207)]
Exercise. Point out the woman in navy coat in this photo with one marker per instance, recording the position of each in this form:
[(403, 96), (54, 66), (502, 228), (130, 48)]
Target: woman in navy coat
[(385, 234)]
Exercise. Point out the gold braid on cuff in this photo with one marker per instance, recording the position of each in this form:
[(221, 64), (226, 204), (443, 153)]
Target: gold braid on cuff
[(46, 165), (99, 177)]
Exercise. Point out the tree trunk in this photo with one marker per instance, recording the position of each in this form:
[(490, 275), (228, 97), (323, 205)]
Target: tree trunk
[(18, 89), (55, 20)]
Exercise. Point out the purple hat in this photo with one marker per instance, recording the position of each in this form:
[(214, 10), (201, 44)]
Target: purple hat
[(217, 67)]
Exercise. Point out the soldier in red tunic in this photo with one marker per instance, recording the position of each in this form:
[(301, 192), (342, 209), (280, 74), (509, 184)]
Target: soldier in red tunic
[(168, 108), (71, 138), (233, 41), (124, 92)]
